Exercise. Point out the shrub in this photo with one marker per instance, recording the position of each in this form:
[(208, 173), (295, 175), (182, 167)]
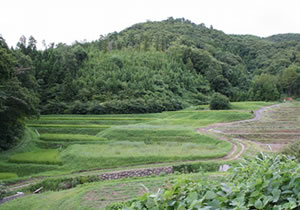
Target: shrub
[(266, 182), (219, 102), (197, 167), (62, 183)]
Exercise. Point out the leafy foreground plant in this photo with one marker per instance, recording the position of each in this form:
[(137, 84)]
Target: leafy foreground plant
[(266, 182)]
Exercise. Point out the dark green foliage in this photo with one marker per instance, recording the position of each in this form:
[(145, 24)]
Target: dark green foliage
[(197, 167), (266, 182), (265, 88), (16, 101), (289, 80), (284, 37), (125, 82), (63, 183), (148, 67), (219, 102)]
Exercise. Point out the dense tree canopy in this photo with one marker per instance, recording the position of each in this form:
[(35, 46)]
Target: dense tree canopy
[(16, 101)]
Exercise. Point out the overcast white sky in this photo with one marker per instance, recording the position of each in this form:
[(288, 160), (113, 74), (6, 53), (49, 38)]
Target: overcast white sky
[(70, 20)]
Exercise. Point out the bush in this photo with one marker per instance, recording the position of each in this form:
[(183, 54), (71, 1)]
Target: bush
[(62, 183), (266, 182), (219, 102), (197, 167)]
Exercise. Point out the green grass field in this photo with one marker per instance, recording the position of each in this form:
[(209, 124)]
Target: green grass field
[(39, 157), (59, 146), (132, 153), (68, 126), (249, 105), (70, 137), (79, 142), (8, 176), (246, 105)]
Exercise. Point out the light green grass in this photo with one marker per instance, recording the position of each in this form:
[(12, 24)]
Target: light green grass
[(6, 175), (246, 105), (147, 115), (250, 105), (87, 117), (177, 127), (68, 126), (196, 119), (49, 156), (70, 137), (132, 153), (87, 122), (151, 133), (139, 149)]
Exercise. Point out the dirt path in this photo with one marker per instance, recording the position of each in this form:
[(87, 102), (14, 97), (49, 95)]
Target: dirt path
[(232, 154), (213, 131)]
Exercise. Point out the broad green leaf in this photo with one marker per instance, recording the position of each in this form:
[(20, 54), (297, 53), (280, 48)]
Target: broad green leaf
[(210, 195), (192, 196), (277, 208), (171, 202), (276, 195), (258, 204)]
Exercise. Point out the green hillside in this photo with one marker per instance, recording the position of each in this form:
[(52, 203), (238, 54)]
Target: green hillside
[(147, 68)]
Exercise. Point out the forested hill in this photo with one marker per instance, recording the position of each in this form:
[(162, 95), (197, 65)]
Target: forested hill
[(284, 37), (148, 67)]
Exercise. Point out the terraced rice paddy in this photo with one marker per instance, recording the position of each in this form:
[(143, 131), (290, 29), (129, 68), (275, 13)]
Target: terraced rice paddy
[(68, 143), (79, 143), (41, 156), (279, 125)]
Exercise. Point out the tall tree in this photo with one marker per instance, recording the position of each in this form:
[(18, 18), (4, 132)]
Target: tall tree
[(288, 79), (16, 102)]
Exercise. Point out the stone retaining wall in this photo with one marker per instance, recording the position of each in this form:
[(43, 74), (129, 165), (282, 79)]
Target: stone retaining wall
[(117, 175), (137, 173)]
